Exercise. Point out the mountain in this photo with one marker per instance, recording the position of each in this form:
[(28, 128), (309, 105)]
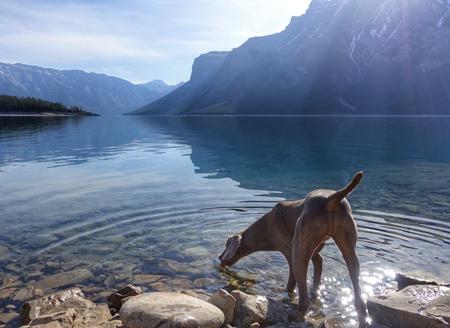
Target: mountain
[(98, 93), (159, 87), (340, 57)]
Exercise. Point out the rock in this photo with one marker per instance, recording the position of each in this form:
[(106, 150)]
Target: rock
[(53, 324), (255, 325), (7, 317), (4, 252), (95, 317), (64, 279), (27, 293), (418, 278), (250, 309), (10, 307), (166, 309), (65, 319), (116, 299), (226, 302), (203, 282), (412, 307), (72, 298), (142, 279), (294, 325), (200, 294)]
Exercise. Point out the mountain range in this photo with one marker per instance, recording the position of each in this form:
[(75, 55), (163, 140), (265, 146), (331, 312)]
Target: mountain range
[(341, 57), (98, 93)]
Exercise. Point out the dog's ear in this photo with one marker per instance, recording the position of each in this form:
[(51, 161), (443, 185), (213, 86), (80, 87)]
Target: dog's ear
[(232, 247)]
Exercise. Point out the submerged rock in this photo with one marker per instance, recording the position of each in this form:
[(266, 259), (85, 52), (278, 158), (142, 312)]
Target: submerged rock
[(4, 252), (418, 278), (250, 309), (170, 310), (226, 302), (412, 307), (115, 300), (64, 279)]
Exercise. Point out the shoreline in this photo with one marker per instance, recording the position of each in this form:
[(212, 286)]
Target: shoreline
[(46, 115)]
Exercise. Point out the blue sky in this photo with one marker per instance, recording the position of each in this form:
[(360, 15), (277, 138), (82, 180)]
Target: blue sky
[(136, 40)]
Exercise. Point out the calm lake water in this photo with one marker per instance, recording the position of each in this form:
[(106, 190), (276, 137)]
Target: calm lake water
[(152, 200)]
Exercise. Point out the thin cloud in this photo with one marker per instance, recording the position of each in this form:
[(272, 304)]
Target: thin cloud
[(141, 40)]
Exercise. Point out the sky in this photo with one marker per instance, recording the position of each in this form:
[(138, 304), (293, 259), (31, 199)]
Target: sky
[(134, 39)]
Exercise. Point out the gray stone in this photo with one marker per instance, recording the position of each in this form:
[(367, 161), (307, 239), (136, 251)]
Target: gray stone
[(418, 278), (72, 298), (412, 307), (64, 279), (7, 317), (115, 300), (170, 309), (226, 302), (64, 318), (250, 309), (27, 293)]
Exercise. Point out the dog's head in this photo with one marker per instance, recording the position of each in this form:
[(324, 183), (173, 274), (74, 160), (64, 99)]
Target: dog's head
[(233, 251)]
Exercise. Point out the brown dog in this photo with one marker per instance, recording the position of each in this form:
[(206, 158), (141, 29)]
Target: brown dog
[(299, 230)]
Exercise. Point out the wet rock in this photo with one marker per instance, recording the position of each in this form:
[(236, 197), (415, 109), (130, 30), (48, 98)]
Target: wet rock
[(255, 325), (27, 293), (250, 309), (412, 307), (159, 286), (4, 252), (116, 299), (144, 279), (226, 302), (170, 309), (64, 279), (295, 325), (7, 317), (7, 293), (418, 278), (65, 319), (72, 298), (203, 282)]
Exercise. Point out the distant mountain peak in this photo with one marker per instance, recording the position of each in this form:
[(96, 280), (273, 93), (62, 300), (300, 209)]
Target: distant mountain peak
[(95, 92)]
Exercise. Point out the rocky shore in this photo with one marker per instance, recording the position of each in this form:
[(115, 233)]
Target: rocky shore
[(419, 302)]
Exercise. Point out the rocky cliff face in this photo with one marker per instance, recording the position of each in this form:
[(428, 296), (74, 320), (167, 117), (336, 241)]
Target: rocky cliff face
[(340, 57), (95, 92)]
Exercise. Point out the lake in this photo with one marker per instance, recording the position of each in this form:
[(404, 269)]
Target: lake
[(152, 200)]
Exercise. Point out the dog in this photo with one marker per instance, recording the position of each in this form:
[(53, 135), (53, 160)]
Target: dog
[(299, 229)]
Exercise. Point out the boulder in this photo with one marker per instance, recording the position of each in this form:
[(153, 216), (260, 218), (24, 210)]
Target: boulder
[(162, 309), (226, 302), (63, 279), (65, 319), (250, 309), (116, 299), (418, 278), (72, 298), (412, 307)]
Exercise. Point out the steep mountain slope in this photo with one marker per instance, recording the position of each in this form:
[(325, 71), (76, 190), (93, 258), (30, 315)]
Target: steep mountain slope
[(159, 87), (340, 57), (95, 92)]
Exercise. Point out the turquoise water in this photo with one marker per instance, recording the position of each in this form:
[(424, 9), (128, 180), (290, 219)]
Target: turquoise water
[(130, 197)]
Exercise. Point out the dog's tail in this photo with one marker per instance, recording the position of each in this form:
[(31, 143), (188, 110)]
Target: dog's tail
[(335, 199)]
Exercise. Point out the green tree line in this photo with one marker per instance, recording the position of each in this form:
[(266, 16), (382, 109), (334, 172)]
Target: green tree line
[(11, 104)]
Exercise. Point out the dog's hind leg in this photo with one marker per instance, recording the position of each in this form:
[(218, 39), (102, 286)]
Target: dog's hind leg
[(345, 239), (317, 263), (303, 249)]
